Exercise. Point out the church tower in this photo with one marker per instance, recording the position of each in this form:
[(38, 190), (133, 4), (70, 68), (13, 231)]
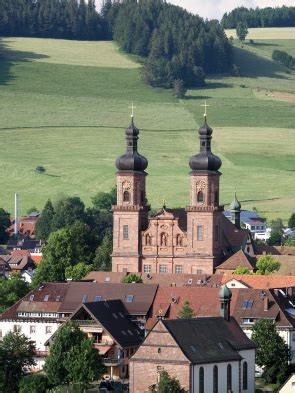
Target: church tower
[(235, 212), (131, 212), (204, 215)]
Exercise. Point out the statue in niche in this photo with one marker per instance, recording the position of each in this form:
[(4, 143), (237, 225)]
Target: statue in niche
[(164, 239), (179, 240), (148, 240)]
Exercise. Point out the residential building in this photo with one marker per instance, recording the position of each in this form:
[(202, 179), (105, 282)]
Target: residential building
[(289, 385), (191, 240), (204, 354)]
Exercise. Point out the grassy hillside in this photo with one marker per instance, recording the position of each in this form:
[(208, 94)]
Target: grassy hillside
[(64, 105), (267, 33)]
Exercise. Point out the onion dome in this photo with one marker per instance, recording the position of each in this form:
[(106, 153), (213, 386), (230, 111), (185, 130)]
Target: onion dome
[(205, 160), (225, 293), (132, 160), (235, 205)]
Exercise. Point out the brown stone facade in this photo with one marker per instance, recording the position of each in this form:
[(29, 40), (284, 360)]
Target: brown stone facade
[(159, 351)]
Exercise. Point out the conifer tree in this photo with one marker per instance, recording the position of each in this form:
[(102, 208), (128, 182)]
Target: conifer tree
[(44, 223), (186, 311)]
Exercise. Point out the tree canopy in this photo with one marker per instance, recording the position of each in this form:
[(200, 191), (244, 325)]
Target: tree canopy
[(168, 384), (16, 354), (176, 43), (260, 17), (291, 222), (72, 358), (4, 225), (272, 352), (11, 290), (267, 264), (242, 270), (242, 30), (186, 311), (132, 278)]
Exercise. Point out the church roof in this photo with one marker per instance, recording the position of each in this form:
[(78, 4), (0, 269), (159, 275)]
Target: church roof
[(239, 259), (208, 340)]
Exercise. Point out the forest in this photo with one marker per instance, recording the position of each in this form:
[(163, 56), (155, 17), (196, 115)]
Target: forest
[(176, 44), (68, 19), (260, 17)]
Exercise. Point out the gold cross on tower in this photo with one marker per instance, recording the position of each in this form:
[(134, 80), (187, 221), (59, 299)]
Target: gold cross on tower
[(206, 106), (132, 107)]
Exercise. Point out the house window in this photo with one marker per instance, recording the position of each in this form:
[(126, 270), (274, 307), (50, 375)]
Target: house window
[(126, 196), (48, 329), (245, 376), (178, 269), (84, 299), (16, 328), (98, 298), (200, 232), (162, 269), (32, 329), (200, 197), (129, 298), (229, 377), (125, 232), (46, 297), (215, 379), (147, 268), (201, 380)]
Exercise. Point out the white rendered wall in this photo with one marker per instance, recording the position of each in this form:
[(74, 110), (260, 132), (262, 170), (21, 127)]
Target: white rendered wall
[(249, 357)]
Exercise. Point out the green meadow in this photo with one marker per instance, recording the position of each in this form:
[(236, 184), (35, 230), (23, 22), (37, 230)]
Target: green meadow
[(65, 104)]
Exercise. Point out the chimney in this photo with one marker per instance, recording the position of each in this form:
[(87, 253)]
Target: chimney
[(16, 224), (265, 303)]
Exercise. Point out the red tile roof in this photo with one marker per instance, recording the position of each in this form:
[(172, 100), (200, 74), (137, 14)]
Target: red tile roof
[(239, 259), (261, 282)]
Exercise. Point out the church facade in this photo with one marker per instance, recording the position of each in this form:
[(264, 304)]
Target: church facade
[(194, 239)]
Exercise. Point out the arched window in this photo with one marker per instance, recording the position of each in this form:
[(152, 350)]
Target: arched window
[(148, 239), (200, 197), (215, 379), (179, 240), (201, 380), (229, 377), (245, 376), (126, 196)]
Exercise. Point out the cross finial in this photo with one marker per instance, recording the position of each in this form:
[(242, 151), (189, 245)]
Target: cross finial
[(164, 203), (132, 107), (206, 106)]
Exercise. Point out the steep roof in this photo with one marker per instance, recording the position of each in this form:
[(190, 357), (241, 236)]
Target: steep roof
[(142, 295), (239, 259), (261, 281), (112, 316), (207, 340), (235, 238)]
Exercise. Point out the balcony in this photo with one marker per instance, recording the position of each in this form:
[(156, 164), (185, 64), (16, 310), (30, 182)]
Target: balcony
[(112, 362)]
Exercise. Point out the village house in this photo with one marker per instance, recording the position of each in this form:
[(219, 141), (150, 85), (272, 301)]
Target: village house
[(40, 313), (193, 240), (116, 337), (204, 354)]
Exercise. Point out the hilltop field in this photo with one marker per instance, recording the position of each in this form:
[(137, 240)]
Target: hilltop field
[(64, 105)]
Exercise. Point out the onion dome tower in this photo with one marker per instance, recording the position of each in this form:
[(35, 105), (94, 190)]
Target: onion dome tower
[(131, 211), (225, 296), (205, 170), (235, 212)]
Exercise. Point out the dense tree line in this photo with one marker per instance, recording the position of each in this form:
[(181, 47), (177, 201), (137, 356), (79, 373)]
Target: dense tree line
[(283, 58), (260, 17), (70, 19), (176, 44)]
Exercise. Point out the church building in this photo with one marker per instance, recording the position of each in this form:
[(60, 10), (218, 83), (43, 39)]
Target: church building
[(194, 239)]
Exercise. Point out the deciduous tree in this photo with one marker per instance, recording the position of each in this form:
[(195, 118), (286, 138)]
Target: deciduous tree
[(266, 264), (11, 290), (291, 222), (168, 384), (272, 352), (130, 278), (242, 270), (242, 31)]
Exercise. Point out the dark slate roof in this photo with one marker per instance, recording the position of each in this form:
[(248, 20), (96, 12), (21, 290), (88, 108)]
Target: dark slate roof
[(112, 316), (246, 215), (208, 340)]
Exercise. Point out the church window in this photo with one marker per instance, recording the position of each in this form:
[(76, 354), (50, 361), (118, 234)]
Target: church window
[(229, 377), (200, 232), (126, 196), (201, 380), (125, 232), (179, 240), (215, 379), (178, 269), (147, 268), (245, 376), (216, 198), (200, 197), (159, 350), (162, 269)]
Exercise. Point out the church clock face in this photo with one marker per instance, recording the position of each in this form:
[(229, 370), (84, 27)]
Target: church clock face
[(126, 185), (201, 185)]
